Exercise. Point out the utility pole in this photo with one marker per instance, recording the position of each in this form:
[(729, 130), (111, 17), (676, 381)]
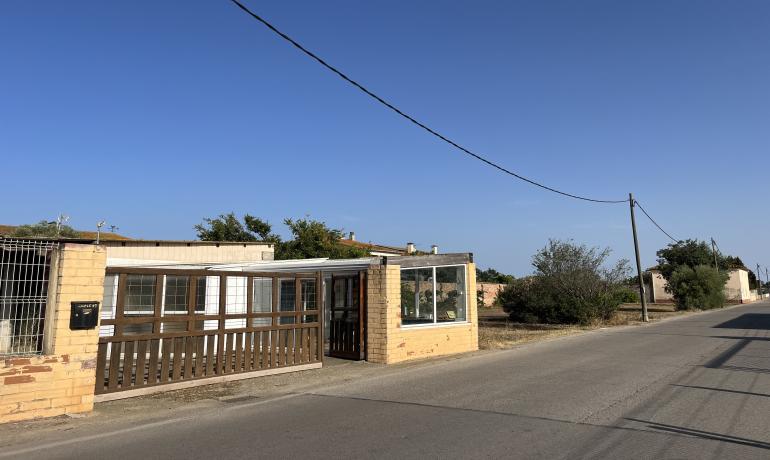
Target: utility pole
[(759, 283), (632, 203), (713, 249)]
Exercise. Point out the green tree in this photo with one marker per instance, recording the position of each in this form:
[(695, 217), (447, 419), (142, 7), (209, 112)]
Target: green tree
[(699, 287), (571, 284), (311, 238), (490, 275), (45, 229), (692, 253)]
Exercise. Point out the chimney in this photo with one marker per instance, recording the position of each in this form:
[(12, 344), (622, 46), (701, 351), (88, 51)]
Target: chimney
[(352, 236), (434, 249), (410, 248)]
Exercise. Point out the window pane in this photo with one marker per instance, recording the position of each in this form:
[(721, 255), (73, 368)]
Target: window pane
[(236, 295), (175, 295), (307, 288), (207, 295), (110, 298), (417, 296), (263, 295), (137, 329), (450, 294), (140, 295), (286, 298)]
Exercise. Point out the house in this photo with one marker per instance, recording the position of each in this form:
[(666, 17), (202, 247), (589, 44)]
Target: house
[(126, 318), (736, 288)]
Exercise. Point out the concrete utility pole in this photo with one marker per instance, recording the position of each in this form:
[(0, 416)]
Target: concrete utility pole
[(632, 203), (713, 249), (759, 282)]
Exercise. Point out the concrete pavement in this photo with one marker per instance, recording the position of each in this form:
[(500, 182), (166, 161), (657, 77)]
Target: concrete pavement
[(692, 387)]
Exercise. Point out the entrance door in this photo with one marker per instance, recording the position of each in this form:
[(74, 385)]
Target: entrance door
[(346, 325)]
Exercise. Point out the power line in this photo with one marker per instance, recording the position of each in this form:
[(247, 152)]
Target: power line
[(409, 117), (656, 224)]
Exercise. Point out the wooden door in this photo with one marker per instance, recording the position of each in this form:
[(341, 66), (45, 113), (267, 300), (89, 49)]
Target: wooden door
[(346, 323)]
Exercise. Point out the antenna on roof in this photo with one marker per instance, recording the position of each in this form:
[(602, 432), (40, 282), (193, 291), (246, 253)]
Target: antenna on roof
[(113, 228), (61, 219), (99, 226)]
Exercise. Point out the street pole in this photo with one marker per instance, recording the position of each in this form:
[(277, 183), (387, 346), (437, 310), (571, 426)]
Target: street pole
[(759, 283), (632, 203), (713, 249)]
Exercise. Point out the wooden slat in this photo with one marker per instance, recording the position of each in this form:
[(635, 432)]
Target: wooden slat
[(238, 365), (314, 334), (201, 342), (141, 359), (128, 364), (282, 347), (210, 358), (188, 356), (166, 355), (290, 347), (112, 382), (274, 348), (228, 356), (265, 361), (248, 337), (101, 366), (176, 371), (305, 346), (152, 371)]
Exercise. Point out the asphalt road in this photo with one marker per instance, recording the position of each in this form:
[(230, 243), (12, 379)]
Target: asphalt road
[(695, 387)]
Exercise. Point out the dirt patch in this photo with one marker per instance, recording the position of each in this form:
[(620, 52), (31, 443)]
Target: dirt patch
[(498, 332)]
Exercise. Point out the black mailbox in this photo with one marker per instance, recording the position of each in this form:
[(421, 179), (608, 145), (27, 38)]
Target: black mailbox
[(84, 315)]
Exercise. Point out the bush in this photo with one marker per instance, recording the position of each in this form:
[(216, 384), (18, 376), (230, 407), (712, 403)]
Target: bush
[(570, 286), (701, 287)]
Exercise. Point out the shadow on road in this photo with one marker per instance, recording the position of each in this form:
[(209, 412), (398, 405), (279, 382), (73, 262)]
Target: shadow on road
[(760, 321), (721, 389), (703, 434)]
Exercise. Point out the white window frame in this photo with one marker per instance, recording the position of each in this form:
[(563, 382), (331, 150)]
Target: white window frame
[(435, 322)]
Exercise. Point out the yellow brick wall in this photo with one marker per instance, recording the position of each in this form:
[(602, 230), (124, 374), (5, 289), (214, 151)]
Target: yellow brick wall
[(388, 342), (62, 380)]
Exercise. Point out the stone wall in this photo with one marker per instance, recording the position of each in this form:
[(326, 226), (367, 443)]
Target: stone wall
[(388, 342), (62, 380)]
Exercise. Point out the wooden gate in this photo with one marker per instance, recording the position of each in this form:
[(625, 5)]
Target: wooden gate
[(347, 317), (167, 326)]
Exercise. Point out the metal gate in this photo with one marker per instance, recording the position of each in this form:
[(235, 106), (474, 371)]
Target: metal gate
[(167, 326), (347, 319), (25, 267)]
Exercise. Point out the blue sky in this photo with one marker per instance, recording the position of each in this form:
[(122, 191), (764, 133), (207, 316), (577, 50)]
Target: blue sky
[(152, 115)]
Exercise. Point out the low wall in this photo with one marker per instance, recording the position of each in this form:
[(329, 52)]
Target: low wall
[(489, 292), (62, 380), (388, 342)]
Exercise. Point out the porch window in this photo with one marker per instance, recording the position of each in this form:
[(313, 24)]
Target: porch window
[(432, 295), (140, 295), (287, 296), (175, 295), (262, 301)]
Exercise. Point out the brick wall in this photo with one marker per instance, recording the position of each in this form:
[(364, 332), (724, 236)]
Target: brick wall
[(62, 380), (388, 342)]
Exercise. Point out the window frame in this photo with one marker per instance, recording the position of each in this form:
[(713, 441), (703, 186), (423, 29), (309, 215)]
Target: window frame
[(435, 322)]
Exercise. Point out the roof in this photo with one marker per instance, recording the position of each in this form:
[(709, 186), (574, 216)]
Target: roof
[(293, 265), (371, 247), (132, 242), (7, 230)]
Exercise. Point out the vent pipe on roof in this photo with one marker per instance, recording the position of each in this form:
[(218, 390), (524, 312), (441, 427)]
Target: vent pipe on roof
[(410, 248), (352, 236), (434, 249)]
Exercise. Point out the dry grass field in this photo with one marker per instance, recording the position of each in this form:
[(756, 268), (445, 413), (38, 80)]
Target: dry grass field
[(497, 332)]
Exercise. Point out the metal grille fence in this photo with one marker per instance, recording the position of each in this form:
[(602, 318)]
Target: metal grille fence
[(24, 271)]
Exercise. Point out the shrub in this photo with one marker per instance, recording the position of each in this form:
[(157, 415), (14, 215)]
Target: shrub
[(570, 285), (701, 287)]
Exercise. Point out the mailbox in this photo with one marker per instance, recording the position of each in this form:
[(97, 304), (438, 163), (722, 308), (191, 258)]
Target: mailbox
[(84, 315)]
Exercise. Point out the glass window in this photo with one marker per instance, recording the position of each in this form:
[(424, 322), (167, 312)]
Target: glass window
[(307, 289), (432, 295), (175, 295), (417, 296), (450, 294), (235, 301), (140, 295), (262, 302), (207, 295), (286, 299), (110, 298)]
